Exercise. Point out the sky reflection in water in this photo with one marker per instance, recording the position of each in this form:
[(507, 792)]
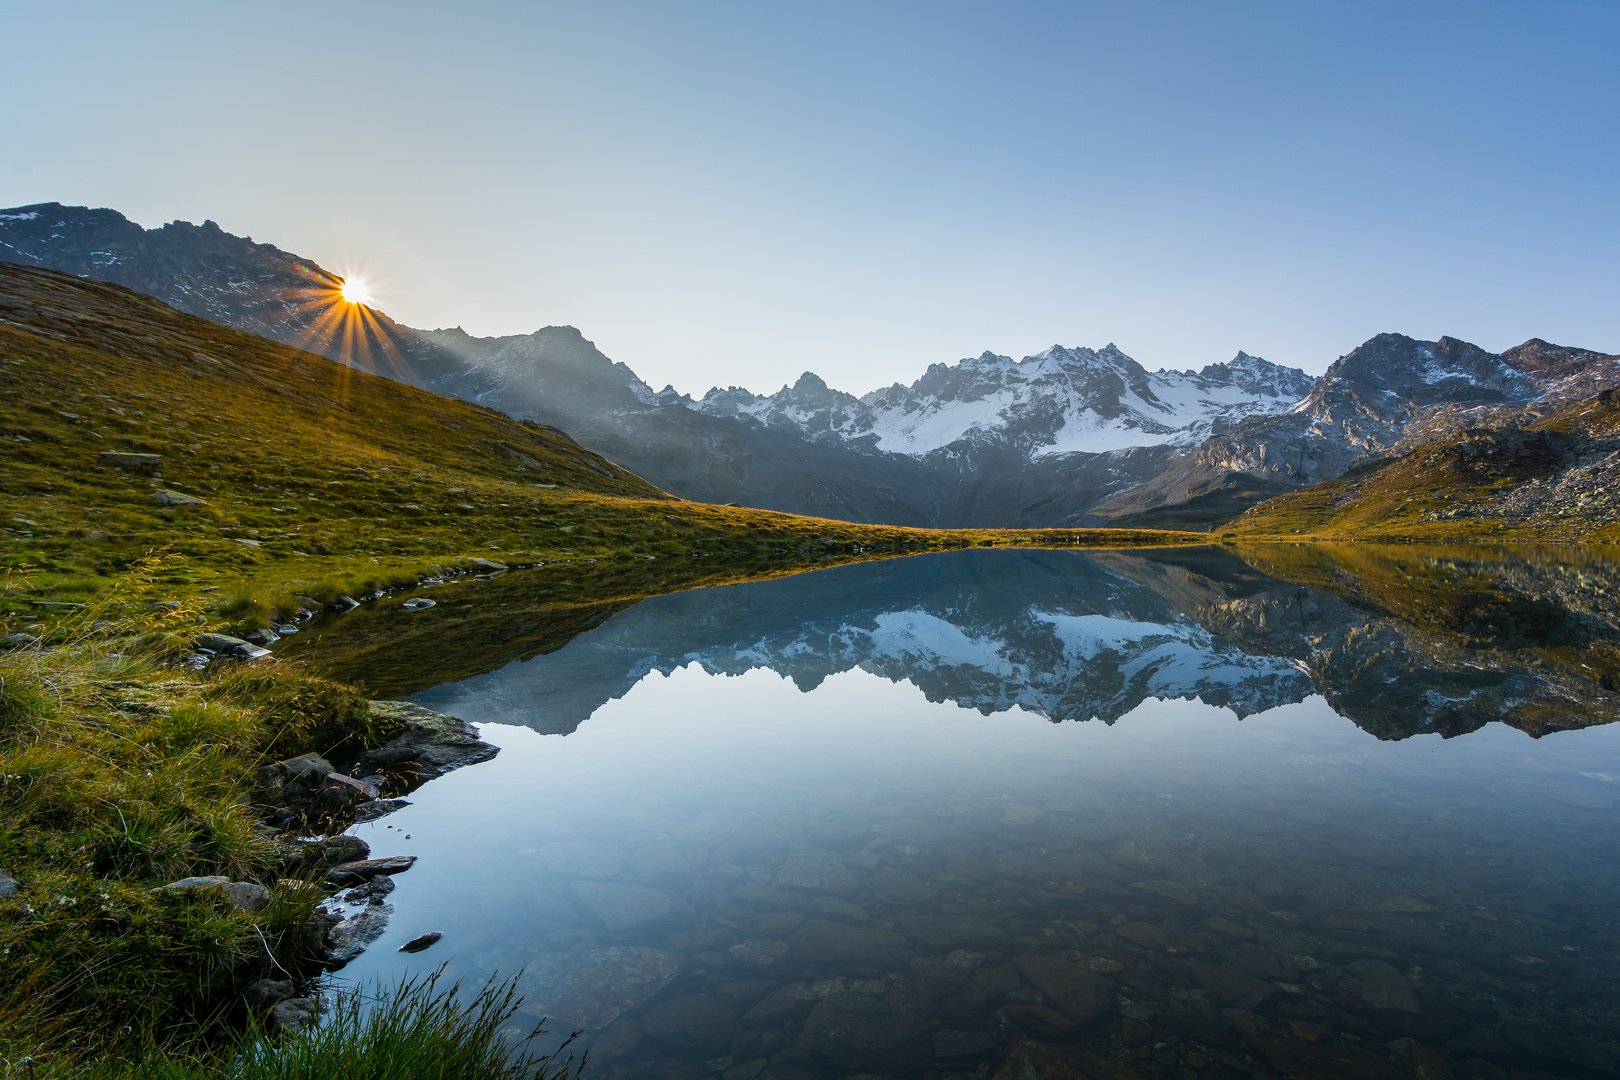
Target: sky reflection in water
[(760, 840)]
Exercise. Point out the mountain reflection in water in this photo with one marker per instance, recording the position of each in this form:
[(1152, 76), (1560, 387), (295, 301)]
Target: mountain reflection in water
[(1401, 646), (819, 826)]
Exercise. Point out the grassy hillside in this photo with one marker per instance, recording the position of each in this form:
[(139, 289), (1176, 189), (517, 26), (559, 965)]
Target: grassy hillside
[(1532, 477), (277, 473)]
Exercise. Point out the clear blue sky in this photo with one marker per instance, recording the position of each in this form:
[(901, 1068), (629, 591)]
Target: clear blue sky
[(736, 192)]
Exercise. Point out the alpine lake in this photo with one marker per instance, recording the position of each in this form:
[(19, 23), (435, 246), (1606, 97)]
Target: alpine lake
[(1231, 811)]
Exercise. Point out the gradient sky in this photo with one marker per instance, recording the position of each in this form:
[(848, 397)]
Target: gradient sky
[(732, 193)]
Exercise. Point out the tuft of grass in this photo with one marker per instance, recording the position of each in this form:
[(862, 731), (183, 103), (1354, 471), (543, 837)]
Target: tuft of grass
[(414, 1030)]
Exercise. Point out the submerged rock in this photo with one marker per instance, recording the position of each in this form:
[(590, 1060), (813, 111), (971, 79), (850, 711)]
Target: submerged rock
[(1078, 992), (619, 908), (696, 1022), (816, 868), (828, 943), (591, 989), (860, 1033)]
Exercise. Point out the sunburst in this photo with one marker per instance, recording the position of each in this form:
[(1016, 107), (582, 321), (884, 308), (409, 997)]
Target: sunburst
[(336, 318)]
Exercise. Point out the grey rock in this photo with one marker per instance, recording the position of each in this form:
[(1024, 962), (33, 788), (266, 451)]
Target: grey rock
[(780, 1005), (261, 637), (165, 497), (591, 989), (619, 908), (1231, 987), (371, 811), (339, 790), (349, 938), (431, 745), (338, 849), (695, 1022), (247, 896), (758, 952), (294, 1014), (779, 922), (124, 460), (418, 603), (267, 992), (834, 908), (226, 645), (744, 993), (816, 868), (372, 892), (900, 887), (18, 640), (841, 944), (572, 939), (191, 884), (860, 1033), (98, 536), (366, 869), (958, 1045), (298, 777), (1077, 992), (284, 628), (952, 930), (1200, 1022), (8, 885), (421, 941)]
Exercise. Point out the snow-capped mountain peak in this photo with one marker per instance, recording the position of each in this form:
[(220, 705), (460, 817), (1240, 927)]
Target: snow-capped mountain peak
[(1059, 401)]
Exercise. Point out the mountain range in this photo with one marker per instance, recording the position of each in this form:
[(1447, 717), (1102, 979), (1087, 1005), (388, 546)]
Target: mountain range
[(1067, 437)]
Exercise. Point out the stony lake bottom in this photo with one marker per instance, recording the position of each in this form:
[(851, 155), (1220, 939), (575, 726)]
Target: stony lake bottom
[(1047, 814)]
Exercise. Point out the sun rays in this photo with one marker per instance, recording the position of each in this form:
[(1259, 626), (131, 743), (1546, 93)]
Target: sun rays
[(335, 317)]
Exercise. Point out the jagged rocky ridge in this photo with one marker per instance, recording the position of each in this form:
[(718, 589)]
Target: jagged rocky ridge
[(1067, 437), (1378, 400)]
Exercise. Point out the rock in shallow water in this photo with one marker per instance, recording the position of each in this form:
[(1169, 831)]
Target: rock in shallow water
[(859, 1033), (591, 989), (695, 1022), (620, 908), (816, 868), (349, 938), (1078, 992), (841, 944)]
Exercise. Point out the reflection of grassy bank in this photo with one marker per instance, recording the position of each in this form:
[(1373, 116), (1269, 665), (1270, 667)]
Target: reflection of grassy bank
[(1559, 603)]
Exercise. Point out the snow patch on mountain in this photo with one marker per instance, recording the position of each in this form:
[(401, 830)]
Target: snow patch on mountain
[(1060, 401)]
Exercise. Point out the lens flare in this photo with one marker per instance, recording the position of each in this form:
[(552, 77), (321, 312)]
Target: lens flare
[(355, 292)]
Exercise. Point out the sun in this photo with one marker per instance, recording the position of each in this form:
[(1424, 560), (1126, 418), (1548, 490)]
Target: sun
[(355, 292)]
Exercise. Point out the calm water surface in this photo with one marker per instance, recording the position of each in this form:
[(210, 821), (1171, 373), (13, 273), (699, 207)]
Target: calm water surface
[(1049, 814)]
